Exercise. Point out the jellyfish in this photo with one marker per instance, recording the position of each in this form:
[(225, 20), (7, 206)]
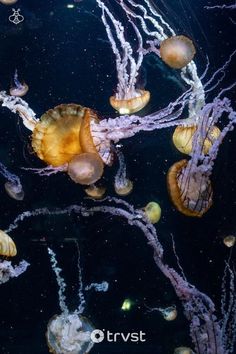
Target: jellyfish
[(127, 99), (20, 89), (123, 186), (7, 245), (188, 181), (69, 332), (183, 138), (229, 241), (168, 313), (13, 185), (8, 2), (153, 212), (86, 168), (183, 350), (95, 192), (177, 51)]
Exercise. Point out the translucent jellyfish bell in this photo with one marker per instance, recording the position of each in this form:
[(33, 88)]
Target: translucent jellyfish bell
[(19, 89), (168, 313), (183, 350), (8, 2), (177, 51), (229, 241), (95, 192), (15, 191), (132, 104), (7, 245), (153, 212), (86, 168), (69, 334)]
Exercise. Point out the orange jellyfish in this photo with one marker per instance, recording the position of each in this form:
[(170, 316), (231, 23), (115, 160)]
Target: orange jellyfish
[(177, 51), (8, 2), (95, 192), (129, 105), (183, 138), (189, 188), (7, 245)]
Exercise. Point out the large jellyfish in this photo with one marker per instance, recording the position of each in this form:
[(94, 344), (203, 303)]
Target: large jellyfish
[(127, 99)]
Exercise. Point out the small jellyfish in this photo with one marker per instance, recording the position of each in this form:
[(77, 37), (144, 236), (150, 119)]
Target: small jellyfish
[(177, 51), (69, 333), (229, 241), (123, 186), (95, 192), (183, 350), (168, 313), (131, 105), (7, 245), (153, 212), (183, 138), (15, 191), (20, 89), (8, 2), (86, 168)]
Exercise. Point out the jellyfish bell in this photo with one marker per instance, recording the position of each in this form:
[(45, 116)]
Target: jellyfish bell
[(14, 190), (153, 212), (69, 334), (8, 2), (183, 138), (191, 195), (124, 188), (229, 241), (86, 168), (19, 90), (131, 104), (183, 350), (177, 51), (168, 313), (7, 245), (95, 192)]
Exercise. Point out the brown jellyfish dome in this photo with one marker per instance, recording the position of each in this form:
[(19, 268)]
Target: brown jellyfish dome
[(177, 51), (131, 105), (86, 168), (62, 133), (8, 2), (7, 245), (95, 192)]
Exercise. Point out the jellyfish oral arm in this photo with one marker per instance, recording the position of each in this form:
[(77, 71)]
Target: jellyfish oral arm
[(8, 271), (17, 105)]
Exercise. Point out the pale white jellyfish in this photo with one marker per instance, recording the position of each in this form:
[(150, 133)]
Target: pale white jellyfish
[(69, 332), (123, 186), (19, 89), (7, 270), (13, 185)]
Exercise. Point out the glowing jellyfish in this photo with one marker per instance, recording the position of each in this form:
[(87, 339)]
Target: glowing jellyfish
[(168, 313), (229, 241), (86, 168), (95, 192), (190, 192), (183, 138), (20, 89), (127, 99), (8, 2), (183, 350), (7, 245), (15, 191), (123, 186), (153, 212), (177, 51), (69, 334)]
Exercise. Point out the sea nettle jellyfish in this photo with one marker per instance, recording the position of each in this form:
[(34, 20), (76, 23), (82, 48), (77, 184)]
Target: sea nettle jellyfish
[(7, 245), (19, 89), (127, 99), (8, 2), (177, 51)]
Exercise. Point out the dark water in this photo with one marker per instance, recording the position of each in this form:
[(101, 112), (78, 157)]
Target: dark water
[(64, 56)]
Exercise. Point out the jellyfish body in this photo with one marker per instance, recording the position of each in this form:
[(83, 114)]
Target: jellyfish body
[(168, 313), (183, 350), (86, 168), (7, 245), (8, 2), (15, 191), (183, 138), (123, 186), (177, 51), (153, 212), (95, 192), (190, 190), (69, 334), (20, 89), (229, 241), (131, 105)]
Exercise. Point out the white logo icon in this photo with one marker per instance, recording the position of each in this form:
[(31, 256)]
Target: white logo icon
[(16, 17), (97, 336)]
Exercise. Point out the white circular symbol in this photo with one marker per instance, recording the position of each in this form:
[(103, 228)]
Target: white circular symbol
[(97, 336)]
